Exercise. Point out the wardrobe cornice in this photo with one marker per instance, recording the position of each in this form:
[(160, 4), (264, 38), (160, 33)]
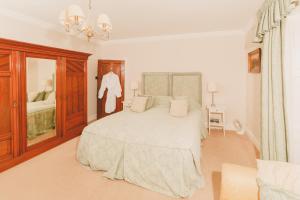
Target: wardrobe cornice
[(46, 50)]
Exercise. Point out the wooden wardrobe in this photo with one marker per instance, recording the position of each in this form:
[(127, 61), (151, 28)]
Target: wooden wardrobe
[(69, 90)]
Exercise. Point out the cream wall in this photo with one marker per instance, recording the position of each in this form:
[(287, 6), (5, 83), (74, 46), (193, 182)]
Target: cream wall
[(220, 56), (32, 82), (23, 28), (253, 124), (38, 71)]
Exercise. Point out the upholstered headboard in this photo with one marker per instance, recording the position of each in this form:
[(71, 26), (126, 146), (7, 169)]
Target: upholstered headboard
[(173, 84)]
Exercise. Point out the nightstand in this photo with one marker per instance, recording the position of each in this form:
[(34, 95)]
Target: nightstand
[(127, 104), (216, 118)]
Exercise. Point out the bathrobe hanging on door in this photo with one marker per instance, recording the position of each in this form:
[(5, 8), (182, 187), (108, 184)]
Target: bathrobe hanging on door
[(112, 83)]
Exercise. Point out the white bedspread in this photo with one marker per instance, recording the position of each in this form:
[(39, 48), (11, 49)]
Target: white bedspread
[(150, 149)]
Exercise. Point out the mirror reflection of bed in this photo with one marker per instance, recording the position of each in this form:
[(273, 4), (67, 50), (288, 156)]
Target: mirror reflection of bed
[(41, 102)]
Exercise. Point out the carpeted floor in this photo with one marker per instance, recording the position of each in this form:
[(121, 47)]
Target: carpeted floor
[(56, 175)]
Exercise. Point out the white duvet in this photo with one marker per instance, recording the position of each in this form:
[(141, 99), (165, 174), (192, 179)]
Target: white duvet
[(151, 149)]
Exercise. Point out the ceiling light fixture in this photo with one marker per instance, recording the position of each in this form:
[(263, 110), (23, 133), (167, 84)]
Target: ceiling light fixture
[(75, 22)]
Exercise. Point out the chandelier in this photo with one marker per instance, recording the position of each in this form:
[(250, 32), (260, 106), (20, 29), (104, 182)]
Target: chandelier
[(75, 22)]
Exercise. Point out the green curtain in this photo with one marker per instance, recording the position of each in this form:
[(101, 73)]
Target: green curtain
[(271, 32)]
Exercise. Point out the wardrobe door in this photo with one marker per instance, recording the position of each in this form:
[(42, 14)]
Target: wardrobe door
[(41, 116), (76, 97), (8, 107)]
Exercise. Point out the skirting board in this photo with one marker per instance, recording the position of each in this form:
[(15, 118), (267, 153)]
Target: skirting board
[(253, 139), (92, 118)]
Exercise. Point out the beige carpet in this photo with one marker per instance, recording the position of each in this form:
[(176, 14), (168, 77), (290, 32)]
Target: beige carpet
[(56, 175)]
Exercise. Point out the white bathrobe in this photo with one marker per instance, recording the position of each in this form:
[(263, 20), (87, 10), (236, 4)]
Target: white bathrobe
[(112, 83)]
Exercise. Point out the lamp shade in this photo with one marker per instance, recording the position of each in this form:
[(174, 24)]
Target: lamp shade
[(104, 23), (75, 13), (48, 85), (212, 87), (134, 85)]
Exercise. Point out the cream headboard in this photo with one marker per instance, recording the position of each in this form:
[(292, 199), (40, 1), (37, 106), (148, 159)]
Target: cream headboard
[(173, 84)]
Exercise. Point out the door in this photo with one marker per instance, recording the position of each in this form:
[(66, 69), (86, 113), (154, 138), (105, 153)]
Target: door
[(76, 97), (104, 67), (8, 107)]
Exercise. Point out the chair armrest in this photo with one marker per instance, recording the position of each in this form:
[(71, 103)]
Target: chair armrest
[(238, 183)]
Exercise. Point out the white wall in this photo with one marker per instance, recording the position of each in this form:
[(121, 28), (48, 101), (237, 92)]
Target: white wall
[(220, 56), (32, 72), (253, 125), (38, 71), (22, 28)]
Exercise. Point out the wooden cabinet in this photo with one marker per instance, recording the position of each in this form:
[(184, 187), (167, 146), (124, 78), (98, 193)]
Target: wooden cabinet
[(70, 93)]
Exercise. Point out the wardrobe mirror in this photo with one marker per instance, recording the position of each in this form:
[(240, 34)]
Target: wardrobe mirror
[(41, 99)]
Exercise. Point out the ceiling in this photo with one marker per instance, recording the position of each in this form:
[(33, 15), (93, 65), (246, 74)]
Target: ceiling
[(144, 18)]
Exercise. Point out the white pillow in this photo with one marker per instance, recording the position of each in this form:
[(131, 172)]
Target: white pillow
[(139, 104), (150, 101), (50, 99), (193, 104), (179, 108), (278, 180), (31, 96)]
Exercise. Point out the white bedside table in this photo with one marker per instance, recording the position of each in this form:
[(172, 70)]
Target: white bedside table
[(127, 104), (216, 118)]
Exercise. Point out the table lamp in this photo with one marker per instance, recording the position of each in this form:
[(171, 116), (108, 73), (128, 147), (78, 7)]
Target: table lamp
[(212, 88), (134, 85)]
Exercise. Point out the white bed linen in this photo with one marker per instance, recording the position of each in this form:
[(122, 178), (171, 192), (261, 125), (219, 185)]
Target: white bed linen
[(151, 149), (38, 106)]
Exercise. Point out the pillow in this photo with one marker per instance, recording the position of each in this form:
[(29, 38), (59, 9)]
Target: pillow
[(278, 180), (40, 96), (179, 108), (31, 96), (162, 100), (47, 93), (51, 98), (150, 101), (139, 104), (192, 103)]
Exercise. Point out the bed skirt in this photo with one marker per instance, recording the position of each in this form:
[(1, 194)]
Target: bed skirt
[(40, 122), (171, 171)]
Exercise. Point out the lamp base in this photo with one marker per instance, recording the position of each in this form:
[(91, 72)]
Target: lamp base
[(134, 90), (213, 100)]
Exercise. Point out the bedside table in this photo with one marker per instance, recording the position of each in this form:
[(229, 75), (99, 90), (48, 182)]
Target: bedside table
[(216, 118), (127, 104)]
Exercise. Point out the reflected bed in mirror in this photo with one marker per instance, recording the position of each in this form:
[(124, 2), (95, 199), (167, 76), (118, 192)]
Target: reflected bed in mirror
[(41, 99)]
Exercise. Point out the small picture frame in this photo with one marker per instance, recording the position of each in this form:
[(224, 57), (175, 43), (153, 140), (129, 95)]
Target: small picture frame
[(254, 61)]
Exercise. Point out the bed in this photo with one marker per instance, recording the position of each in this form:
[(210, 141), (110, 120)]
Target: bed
[(151, 149), (40, 118)]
